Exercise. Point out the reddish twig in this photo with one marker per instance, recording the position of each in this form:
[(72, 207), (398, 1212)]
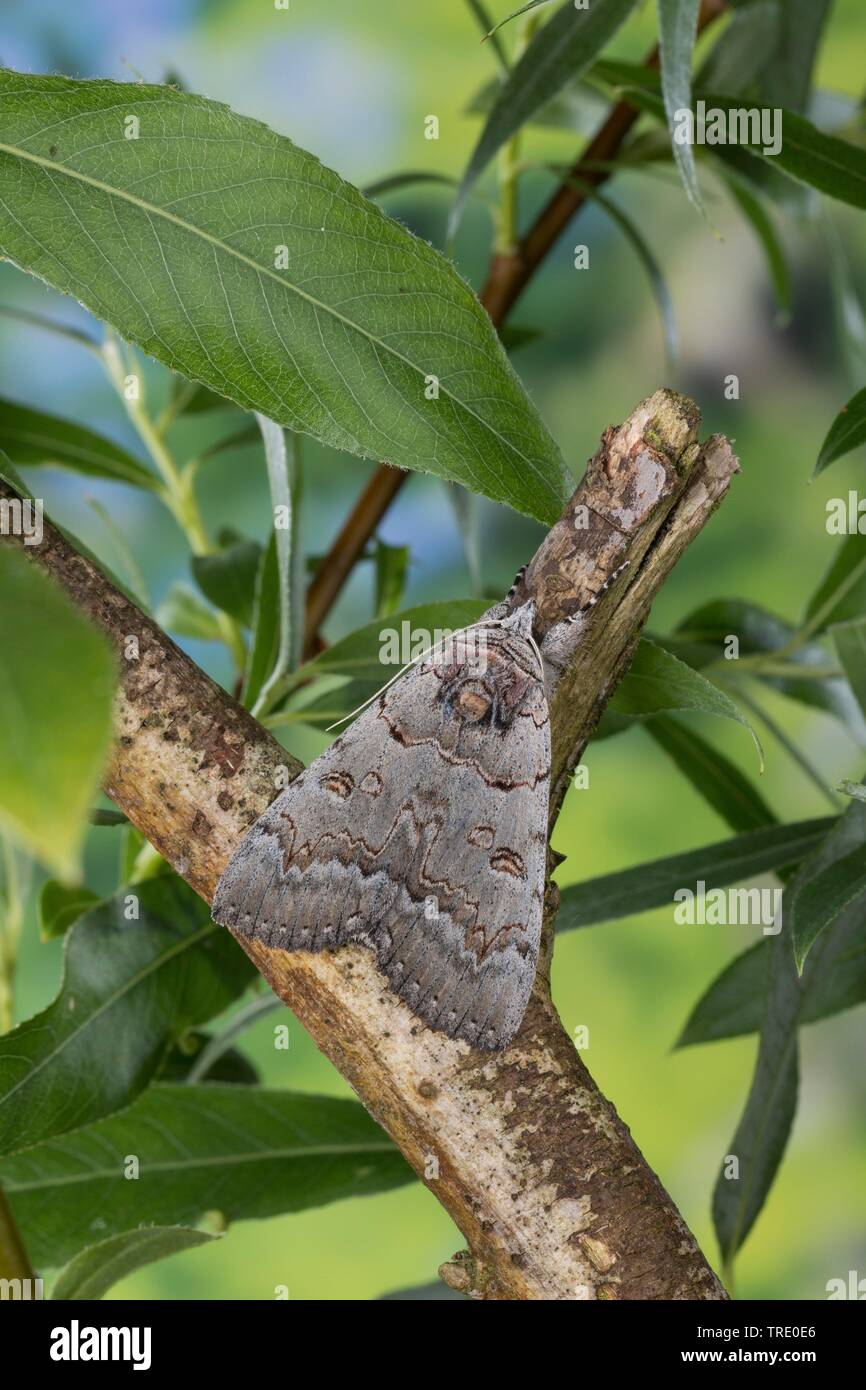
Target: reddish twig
[(507, 277)]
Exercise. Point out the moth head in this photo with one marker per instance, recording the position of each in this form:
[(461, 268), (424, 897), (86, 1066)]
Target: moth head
[(521, 621), (484, 683)]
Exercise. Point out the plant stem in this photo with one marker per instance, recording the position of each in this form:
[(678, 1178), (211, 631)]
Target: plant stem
[(505, 240), (505, 237), (14, 1263), (820, 616), (219, 1045), (768, 664), (177, 491), (10, 934)]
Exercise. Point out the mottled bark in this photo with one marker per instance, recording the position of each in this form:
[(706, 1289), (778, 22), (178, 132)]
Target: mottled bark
[(542, 1177)]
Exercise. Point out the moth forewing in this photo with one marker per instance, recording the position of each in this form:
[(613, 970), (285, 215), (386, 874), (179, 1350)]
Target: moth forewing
[(420, 833)]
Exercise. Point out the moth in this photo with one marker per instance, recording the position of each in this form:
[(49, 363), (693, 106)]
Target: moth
[(421, 834)]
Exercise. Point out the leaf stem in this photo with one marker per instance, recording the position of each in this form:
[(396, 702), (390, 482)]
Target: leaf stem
[(282, 457), (506, 235), (789, 746), (177, 492), (218, 1045), (768, 664), (820, 616)]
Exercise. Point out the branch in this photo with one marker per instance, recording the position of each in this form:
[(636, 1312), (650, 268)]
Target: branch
[(507, 278), (14, 1262), (531, 1161)]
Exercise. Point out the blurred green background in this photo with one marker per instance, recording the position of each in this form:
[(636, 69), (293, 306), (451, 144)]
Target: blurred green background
[(353, 84)]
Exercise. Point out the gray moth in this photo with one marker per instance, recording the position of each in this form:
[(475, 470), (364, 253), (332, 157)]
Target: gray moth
[(421, 832)]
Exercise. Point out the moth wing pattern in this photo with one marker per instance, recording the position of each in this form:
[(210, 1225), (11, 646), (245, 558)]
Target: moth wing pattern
[(421, 834)]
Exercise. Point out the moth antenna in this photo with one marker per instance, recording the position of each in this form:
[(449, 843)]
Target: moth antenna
[(517, 578), (595, 598)]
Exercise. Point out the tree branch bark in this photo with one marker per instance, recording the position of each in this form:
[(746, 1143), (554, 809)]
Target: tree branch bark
[(542, 1177)]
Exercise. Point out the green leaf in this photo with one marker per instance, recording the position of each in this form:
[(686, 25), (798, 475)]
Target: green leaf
[(9, 476), (210, 1063), (641, 248), (60, 906), (833, 166), (282, 457), (392, 567), (244, 1152), (183, 613), (242, 431), (131, 986), (264, 645), (702, 636), (631, 891), (33, 437), (833, 876), (741, 53), (190, 398), (762, 1134), (849, 320), (768, 51), (56, 689), (124, 551), (841, 595), (132, 844), (678, 27), (343, 344), (93, 1271), (228, 578), (183, 1057), (278, 607), (752, 208), (847, 432), (658, 683), (822, 898), (488, 30), (405, 179), (850, 642), (577, 107), (518, 335), (515, 14), (718, 780), (834, 979), (108, 818), (788, 76), (62, 330), (557, 54), (734, 1003)]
